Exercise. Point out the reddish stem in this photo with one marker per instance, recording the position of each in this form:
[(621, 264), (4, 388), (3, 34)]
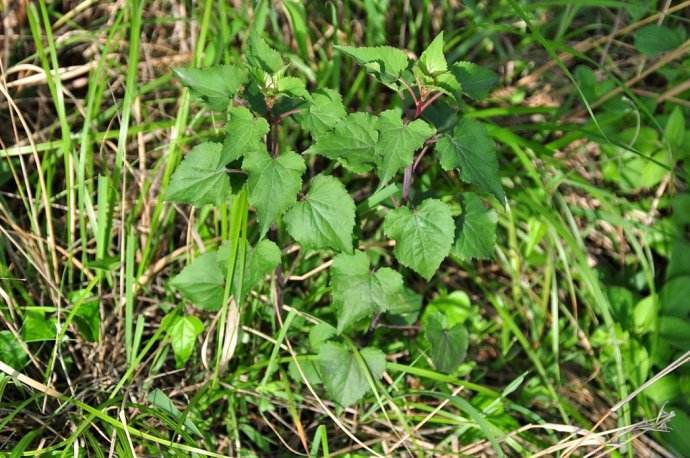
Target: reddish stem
[(428, 102)]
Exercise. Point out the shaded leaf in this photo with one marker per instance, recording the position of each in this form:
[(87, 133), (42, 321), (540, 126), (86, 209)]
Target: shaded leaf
[(161, 401), (476, 229), (344, 374), (88, 320), (656, 39), (261, 261), (359, 293), (11, 352), (448, 345), (475, 80), (202, 282)]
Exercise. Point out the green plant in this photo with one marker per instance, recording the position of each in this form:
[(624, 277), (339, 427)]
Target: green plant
[(269, 115)]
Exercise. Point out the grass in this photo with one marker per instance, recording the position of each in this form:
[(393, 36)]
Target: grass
[(562, 355)]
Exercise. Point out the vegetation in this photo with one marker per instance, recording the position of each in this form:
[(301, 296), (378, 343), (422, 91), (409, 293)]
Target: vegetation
[(347, 228)]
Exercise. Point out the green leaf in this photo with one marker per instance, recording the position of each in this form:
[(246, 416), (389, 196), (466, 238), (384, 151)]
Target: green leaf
[(292, 87), (405, 310), (357, 293), (325, 218), (183, 334), (202, 282), (161, 401), (320, 334), (261, 55), (344, 373), (398, 142), (324, 111), (423, 236), (656, 39), (448, 346), (88, 320), (675, 128), (215, 86), (677, 435), (432, 62), (200, 179), (475, 80), (385, 62), (476, 230), (37, 328), (11, 352), (244, 133), (352, 142), (674, 297), (273, 184), (261, 261), (645, 314), (473, 152)]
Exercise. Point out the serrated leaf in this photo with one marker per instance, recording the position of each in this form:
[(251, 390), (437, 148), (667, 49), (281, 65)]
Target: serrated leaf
[(273, 184), (423, 236), (473, 152), (352, 142), (385, 62), (344, 374), (475, 80), (201, 178), (11, 352), (292, 86), (398, 142), (656, 39), (183, 334), (359, 293), (244, 133), (261, 55), (432, 62), (447, 83), (320, 334), (476, 229), (202, 282), (448, 346), (324, 111), (325, 218), (215, 86)]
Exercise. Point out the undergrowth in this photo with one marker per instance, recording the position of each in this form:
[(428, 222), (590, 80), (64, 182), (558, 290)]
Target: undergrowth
[(362, 228)]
